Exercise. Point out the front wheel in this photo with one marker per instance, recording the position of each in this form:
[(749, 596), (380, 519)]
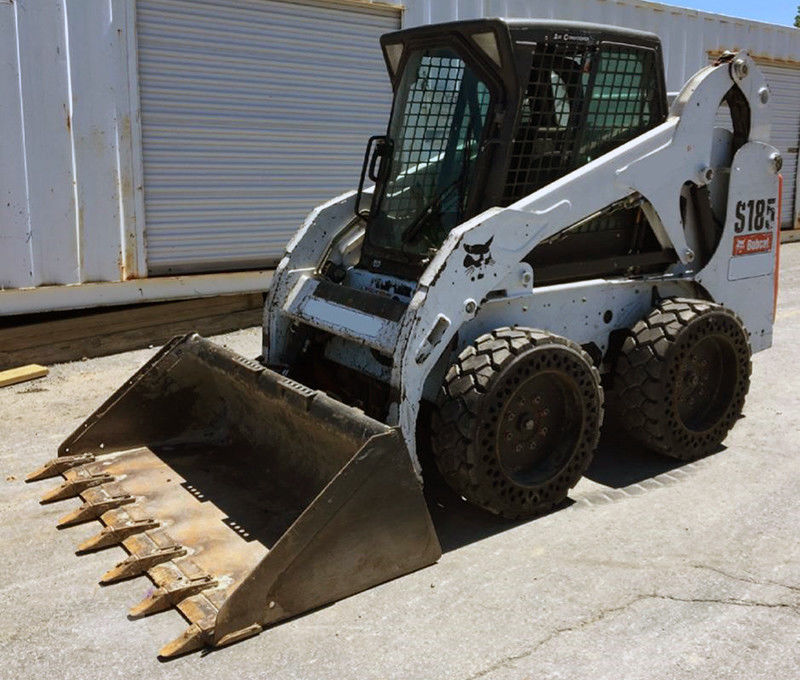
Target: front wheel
[(517, 421)]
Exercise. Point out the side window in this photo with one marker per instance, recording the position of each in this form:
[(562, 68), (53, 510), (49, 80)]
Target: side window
[(548, 123), (583, 100), (546, 103), (622, 102), (437, 125)]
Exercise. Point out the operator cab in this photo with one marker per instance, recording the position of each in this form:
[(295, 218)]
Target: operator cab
[(486, 112)]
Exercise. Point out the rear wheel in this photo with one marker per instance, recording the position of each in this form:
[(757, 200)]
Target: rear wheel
[(681, 378), (517, 421)]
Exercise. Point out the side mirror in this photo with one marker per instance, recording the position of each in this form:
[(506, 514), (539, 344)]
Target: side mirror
[(377, 161)]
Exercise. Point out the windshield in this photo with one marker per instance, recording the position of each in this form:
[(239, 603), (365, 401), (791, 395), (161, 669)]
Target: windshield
[(437, 128)]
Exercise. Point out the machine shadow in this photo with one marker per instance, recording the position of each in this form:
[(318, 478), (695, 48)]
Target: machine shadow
[(620, 462), (457, 522), (257, 508), (617, 463)]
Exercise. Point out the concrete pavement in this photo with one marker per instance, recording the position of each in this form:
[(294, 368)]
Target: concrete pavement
[(658, 570)]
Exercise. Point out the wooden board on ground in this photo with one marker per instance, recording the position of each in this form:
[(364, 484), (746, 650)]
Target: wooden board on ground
[(790, 235), (99, 333), (12, 376)]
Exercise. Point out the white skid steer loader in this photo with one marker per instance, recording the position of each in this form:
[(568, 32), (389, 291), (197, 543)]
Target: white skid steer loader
[(541, 226)]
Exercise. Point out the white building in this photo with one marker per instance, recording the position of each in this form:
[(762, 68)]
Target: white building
[(157, 149)]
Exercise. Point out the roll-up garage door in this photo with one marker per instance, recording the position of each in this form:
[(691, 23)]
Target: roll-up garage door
[(784, 86), (253, 112)]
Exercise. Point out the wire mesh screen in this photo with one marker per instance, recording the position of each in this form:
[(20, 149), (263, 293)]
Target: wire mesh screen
[(581, 101), (545, 139), (617, 219), (425, 131), (437, 128), (622, 100)]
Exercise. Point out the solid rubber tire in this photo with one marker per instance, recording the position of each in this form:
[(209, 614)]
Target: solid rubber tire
[(644, 397), (473, 388)]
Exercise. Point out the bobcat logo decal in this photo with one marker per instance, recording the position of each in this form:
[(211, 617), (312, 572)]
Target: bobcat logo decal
[(478, 255)]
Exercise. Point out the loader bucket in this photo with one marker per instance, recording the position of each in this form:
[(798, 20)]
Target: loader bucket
[(245, 497)]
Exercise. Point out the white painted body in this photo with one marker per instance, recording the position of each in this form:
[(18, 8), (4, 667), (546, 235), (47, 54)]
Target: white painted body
[(451, 298)]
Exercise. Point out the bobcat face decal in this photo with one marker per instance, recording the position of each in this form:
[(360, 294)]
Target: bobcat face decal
[(477, 257)]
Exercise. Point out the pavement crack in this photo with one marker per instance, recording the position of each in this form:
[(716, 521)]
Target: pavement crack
[(510, 659), (599, 616), (747, 578), (795, 607)]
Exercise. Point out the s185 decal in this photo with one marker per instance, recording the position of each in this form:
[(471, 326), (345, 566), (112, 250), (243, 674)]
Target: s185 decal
[(754, 215)]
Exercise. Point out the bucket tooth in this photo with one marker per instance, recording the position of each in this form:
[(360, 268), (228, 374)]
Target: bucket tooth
[(146, 550), (137, 564), (165, 597), (202, 614), (77, 480), (191, 640), (96, 501), (113, 535), (54, 467)]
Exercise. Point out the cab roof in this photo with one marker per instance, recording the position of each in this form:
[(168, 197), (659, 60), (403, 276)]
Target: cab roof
[(532, 30)]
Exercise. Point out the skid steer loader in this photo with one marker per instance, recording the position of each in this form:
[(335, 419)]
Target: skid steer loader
[(535, 226)]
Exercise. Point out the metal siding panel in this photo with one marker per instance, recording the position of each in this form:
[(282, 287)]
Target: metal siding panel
[(784, 85), (44, 81), (98, 130), (16, 258), (252, 114), (65, 144)]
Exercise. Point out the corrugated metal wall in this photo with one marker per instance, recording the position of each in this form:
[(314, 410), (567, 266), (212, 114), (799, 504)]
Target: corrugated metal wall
[(66, 156), (784, 84), (252, 114), (71, 180)]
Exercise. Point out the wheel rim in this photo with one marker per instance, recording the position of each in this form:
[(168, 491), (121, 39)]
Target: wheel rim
[(539, 427), (706, 383)]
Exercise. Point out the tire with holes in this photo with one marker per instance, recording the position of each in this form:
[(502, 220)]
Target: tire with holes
[(681, 377), (517, 421)]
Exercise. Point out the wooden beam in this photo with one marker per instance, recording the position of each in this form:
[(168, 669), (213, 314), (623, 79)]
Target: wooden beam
[(790, 235), (22, 373)]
